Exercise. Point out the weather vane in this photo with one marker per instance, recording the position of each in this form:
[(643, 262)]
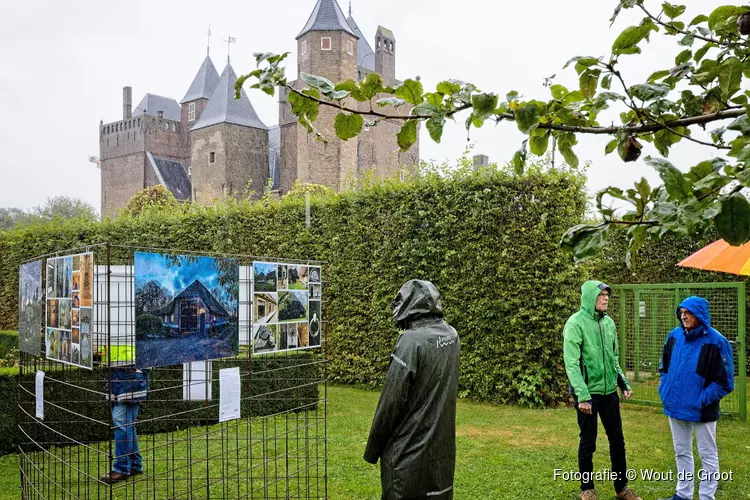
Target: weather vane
[(230, 41), (208, 43)]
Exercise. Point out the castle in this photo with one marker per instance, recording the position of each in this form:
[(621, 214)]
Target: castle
[(211, 145)]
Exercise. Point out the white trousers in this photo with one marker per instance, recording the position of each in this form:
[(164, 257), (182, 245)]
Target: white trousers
[(682, 437)]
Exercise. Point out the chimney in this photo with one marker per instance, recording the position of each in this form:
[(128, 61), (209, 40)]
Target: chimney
[(127, 103), (481, 161)]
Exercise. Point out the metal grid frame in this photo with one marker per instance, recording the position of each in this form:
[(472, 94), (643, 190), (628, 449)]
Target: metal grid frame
[(645, 314), (278, 449)]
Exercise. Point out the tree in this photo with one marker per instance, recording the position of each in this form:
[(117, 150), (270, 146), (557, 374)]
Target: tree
[(155, 197), (65, 207), (704, 85), (12, 217), (150, 298)]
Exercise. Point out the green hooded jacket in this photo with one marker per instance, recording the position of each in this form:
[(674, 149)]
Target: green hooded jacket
[(590, 348)]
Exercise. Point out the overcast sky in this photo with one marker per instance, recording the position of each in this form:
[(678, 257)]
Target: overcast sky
[(65, 64)]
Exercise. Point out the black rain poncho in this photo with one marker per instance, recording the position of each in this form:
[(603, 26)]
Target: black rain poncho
[(413, 432)]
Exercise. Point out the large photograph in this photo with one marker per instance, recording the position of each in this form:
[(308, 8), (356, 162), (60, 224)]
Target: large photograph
[(186, 308), (30, 307)]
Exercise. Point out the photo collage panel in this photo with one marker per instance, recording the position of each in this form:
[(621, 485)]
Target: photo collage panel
[(286, 307), (70, 301)]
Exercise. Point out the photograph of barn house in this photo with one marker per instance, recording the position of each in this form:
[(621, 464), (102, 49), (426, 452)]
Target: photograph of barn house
[(194, 310)]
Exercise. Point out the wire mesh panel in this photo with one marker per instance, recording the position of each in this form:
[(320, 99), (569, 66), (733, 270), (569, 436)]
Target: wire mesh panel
[(645, 314), (277, 449)]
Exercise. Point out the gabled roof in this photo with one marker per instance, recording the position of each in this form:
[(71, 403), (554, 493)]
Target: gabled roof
[(386, 33), (204, 82), (326, 16), (222, 107), (172, 175), (365, 54), (196, 289), (151, 104)]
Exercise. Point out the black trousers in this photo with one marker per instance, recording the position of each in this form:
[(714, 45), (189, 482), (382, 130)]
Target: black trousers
[(608, 409)]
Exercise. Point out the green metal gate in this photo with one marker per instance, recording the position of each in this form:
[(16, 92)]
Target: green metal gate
[(645, 314)]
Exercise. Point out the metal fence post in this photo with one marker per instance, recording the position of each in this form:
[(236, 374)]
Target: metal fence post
[(742, 369), (623, 331), (637, 335)]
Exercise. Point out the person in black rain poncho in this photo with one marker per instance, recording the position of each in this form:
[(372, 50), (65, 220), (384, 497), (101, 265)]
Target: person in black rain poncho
[(413, 432)]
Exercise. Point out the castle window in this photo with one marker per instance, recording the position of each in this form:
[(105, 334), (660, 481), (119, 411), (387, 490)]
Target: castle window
[(303, 47), (325, 43), (211, 157), (191, 112), (350, 47)]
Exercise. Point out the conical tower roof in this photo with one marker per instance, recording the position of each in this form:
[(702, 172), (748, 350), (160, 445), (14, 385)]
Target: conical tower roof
[(327, 16), (204, 82), (222, 107)]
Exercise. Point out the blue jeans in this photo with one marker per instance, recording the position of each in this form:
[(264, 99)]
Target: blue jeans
[(127, 455)]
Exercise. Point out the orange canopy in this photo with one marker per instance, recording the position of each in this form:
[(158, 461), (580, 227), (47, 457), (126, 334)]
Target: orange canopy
[(721, 256)]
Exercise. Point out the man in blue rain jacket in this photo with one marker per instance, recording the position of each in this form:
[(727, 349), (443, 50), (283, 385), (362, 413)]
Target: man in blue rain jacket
[(696, 372)]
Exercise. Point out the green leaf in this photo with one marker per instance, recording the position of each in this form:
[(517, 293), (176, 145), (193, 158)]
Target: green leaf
[(730, 77), (390, 101), (740, 124), (423, 109), (607, 81), (630, 37), (449, 87), (575, 96), (657, 75), (698, 19), (372, 85), (677, 186), (673, 11), (527, 118), (611, 146), (558, 91), (733, 221), (700, 53), (324, 85), (484, 105), (407, 136), (649, 92), (410, 91), (720, 14), (683, 57), (519, 158), (348, 125), (538, 143), (588, 83), (435, 126), (583, 61), (565, 143), (586, 240)]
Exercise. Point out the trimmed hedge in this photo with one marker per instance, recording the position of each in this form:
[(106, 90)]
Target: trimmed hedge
[(488, 240), (163, 411), (8, 341)]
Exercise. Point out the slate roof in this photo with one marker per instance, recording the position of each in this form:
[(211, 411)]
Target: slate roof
[(204, 82), (151, 104), (386, 33), (365, 54), (222, 107), (327, 16), (172, 175), (196, 289)]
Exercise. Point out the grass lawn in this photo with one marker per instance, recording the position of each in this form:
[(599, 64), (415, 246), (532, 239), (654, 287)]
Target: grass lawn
[(506, 452)]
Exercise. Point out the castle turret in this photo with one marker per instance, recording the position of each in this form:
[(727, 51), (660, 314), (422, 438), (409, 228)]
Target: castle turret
[(229, 145), (385, 54), (326, 46), (196, 98)]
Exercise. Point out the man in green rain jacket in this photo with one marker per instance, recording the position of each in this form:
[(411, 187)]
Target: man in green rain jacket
[(413, 432), (591, 362)]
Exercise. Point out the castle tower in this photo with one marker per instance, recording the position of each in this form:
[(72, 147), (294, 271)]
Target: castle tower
[(385, 55), (326, 46), (229, 145), (143, 149), (196, 100)]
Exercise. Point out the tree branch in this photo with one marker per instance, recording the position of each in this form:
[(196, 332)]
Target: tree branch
[(696, 35), (634, 107), (733, 112)]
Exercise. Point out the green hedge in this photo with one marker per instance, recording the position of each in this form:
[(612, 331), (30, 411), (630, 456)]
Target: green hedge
[(488, 240), (8, 341), (164, 409)]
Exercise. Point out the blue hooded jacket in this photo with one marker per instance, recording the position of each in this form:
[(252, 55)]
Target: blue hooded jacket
[(696, 368)]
